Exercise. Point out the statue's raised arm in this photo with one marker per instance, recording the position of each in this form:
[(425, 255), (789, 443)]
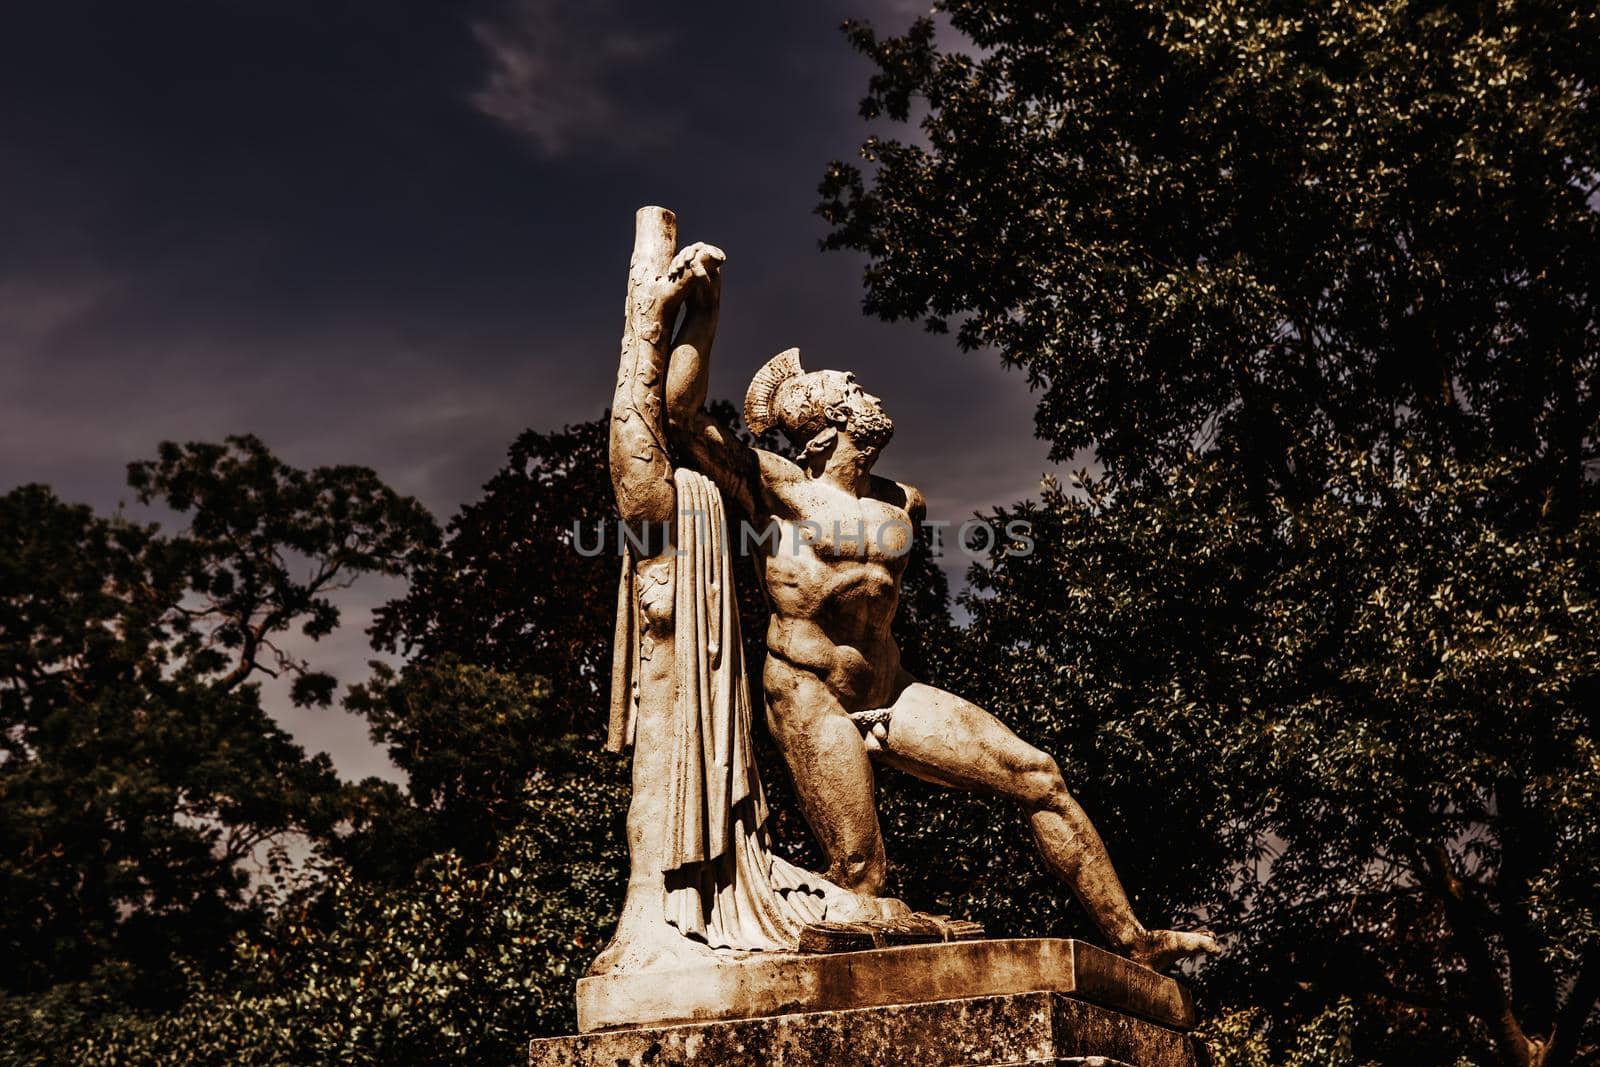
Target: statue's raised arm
[(702, 443)]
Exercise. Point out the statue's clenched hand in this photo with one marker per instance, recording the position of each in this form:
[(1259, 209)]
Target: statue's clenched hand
[(695, 273)]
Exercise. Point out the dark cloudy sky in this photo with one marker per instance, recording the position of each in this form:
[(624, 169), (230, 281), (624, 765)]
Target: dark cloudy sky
[(396, 234)]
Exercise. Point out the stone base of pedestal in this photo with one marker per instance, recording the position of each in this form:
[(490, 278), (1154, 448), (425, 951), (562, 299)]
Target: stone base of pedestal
[(788, 983), (1033, 1029), (972, 1003)]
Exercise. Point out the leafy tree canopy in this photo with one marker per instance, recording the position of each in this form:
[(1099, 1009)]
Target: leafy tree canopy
[(459, 962), (1317, 284), (509, 589), (138, 770), (1204, 221)]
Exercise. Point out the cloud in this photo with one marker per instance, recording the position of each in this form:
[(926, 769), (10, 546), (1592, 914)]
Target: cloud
[(553, 73), (32, 309), (906, 8)]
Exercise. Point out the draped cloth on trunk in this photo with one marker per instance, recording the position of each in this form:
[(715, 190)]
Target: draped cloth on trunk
[(723, 885)]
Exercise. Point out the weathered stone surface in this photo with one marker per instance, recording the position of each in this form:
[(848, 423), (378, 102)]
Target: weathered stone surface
[(835, 538), (1027, 1028), (782, 983)]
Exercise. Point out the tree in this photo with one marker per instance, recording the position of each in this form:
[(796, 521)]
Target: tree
[(1303, 731), (1201, 220), (458, 962), (138, 770), (509, 589), (468, 738), (1317, 286)]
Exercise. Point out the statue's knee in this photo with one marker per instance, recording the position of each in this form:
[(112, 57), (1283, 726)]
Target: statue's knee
[(1042, 784)]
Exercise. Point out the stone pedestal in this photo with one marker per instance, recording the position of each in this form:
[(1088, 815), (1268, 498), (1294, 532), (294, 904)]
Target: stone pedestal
[(1032, 1029), (1014, 1002)]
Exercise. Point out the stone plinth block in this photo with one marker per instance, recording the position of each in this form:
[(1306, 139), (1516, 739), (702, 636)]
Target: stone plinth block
[(772, 983), (1021, 1029)]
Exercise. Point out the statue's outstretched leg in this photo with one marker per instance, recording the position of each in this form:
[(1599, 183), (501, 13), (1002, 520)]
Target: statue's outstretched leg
[(942, 738)]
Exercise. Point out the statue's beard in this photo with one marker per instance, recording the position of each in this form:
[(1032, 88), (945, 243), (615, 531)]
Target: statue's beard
[(870, 428)]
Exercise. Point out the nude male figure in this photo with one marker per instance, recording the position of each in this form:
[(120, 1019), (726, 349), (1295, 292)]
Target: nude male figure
[(831, 655)]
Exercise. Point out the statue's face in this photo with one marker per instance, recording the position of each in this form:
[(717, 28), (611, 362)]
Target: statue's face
[(868, 425)]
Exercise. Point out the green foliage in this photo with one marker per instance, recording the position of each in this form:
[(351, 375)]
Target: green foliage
[(1358, 738), (467, 738), (462, 963), (1236, 1039), (252, 519), (509, 590), (138, 771), (1191, 219), (1317, 649)]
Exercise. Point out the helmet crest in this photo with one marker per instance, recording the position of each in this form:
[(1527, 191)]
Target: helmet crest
[(761, 400)]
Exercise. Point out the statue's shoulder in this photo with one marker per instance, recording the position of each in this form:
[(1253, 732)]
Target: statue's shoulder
[(777, 471), (902, 495), (778, 478)]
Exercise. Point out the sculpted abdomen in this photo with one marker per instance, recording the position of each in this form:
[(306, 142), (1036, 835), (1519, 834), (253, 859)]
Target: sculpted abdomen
[(832, 617), (850, 599), (866, 592)]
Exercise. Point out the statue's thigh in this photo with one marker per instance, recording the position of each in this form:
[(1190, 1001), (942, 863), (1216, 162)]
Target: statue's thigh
[(944, 739), (833, 779)]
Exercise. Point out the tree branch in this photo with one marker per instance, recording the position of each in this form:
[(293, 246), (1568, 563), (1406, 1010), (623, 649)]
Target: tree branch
[(1567, 1034), (1533, 981), (1465, 915)]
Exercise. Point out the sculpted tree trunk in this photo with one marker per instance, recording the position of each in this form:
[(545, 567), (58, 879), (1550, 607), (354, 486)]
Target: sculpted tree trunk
[(641, 478)]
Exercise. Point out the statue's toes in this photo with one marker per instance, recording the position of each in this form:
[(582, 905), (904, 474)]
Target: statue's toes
[(1163, 948)]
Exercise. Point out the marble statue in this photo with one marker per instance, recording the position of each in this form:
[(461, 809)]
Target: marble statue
[(703, 879)]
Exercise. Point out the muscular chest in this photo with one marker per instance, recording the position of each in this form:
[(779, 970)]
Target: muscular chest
[(830, 528), (829, 555)]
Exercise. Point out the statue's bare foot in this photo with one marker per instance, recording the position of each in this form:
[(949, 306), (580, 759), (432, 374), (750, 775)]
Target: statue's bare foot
[(893, 908), (1160, 949), (860, 907)]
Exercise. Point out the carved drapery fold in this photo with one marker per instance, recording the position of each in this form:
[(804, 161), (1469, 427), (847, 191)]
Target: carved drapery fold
[(723, 884)]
